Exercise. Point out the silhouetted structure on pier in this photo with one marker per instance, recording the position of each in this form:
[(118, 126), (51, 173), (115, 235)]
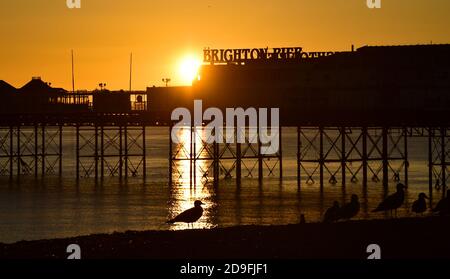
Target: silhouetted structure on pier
[(388, 85), (375, 86)]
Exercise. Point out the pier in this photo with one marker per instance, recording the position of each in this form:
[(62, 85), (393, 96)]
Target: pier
[(360, 136)]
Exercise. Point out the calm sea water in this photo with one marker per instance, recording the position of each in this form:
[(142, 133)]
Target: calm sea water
[(54, 207)]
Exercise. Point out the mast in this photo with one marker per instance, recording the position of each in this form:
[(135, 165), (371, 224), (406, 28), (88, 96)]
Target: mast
[(131, 68), (73, 75)]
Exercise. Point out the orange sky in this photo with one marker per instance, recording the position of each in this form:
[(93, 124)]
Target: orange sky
[(37, 35)]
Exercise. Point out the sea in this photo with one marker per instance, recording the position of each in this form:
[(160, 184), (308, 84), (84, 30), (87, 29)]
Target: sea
[(34, 208)]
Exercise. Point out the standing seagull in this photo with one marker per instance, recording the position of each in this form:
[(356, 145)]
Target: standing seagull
[(350, 209), (394, 201), (420, 205), (332, 213), (443, 206), (189, 216)]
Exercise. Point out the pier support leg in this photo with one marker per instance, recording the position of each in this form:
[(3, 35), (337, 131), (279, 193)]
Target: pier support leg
[(430, 165), (405, 143), (321, 158), (36, 151), (144, 153), (260, 164), (260, 158), (238, 164), (194, 168), (11, 152), (121, 151), (126, 150), (364, 156), (299, 144), (60, 146), (191, 131), (78, 151), (216, 164), (343, 155), (44, 151), (281, 152), (96, 158), (170, 156), (443, 161), (385, 158), (102, 152), (19, 152)]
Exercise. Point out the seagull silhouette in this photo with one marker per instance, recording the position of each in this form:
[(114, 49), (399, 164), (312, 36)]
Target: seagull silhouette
[(332, 213), (350, 209), (393, 202), (420, 205), (443, 206), (189, 216)]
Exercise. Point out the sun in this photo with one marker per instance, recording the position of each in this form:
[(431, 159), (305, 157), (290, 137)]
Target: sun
[(188, 69)]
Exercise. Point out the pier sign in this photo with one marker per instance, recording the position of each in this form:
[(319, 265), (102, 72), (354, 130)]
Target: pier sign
[(218, 56)]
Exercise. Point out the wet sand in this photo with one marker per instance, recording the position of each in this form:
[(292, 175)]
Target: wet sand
[(408, 238)]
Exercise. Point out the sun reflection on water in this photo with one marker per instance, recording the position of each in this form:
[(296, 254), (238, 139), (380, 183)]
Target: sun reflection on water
[(189, 188)]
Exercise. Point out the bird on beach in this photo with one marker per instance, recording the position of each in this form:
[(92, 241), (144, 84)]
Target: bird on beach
[(332, 213), (420, 205), (392, 202), (350, 209), (443, 206), (189, 216)]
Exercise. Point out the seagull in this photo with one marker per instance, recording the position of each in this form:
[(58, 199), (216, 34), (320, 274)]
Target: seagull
[(394, 201), (189, 216), (332, 213), (420, 205), (443, 206), (350, 209)]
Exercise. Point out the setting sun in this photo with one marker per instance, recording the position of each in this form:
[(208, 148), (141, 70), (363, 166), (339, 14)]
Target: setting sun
[(188, 69)]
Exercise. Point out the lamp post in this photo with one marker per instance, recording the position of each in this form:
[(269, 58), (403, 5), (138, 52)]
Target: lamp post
[(166, 81), (102, 86)]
